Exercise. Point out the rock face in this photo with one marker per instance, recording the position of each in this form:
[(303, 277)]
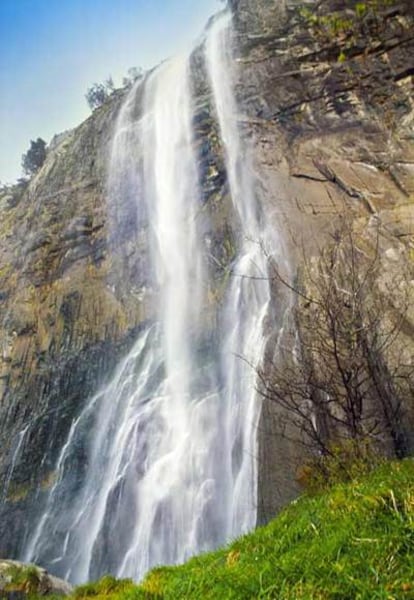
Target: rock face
[(63, 322), (326, 104)]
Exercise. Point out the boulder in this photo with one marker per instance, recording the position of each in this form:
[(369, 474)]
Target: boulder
[(21, 580)]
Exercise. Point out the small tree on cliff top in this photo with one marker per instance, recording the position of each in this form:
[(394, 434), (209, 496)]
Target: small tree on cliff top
[(34, 158), (98, 93)]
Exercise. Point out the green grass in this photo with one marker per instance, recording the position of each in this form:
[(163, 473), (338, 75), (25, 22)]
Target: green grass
[(22, 579), (355, 541)]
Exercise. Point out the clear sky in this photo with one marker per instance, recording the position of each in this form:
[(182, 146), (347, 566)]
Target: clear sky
[(51, 51)]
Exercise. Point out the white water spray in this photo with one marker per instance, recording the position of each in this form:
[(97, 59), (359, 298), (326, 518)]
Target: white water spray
[(161, 463), (249, 294)]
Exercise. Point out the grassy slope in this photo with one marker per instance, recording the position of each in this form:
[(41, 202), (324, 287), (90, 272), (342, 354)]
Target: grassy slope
[(355, 541)]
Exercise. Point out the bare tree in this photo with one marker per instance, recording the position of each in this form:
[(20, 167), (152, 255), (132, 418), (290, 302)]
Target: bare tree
[(348, 377)]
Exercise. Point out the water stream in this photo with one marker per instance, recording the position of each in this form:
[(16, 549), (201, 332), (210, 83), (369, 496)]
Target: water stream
[(160, 464)]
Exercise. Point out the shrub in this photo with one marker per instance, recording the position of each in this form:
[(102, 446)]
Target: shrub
[(23, 579), (98, 93), (34, 158), (347, 460)]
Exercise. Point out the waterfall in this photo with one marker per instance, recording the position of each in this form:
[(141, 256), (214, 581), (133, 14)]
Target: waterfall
[(160, 464), (249, 293)]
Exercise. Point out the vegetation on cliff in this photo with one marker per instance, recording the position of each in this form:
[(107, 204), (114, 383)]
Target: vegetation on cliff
[(354, 541), (34, 158), (346, 391), (345, 27)]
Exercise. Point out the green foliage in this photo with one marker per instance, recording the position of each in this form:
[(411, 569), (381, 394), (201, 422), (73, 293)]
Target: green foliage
[(134, 74), (111, 588), (342, 57), (23, 579), (34, 157), (107, 586), (343, 28), (347, 460), (354, 542), (99, 93), (360, 9)]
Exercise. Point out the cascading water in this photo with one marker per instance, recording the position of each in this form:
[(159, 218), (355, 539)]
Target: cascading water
[(249, 293), (161, 464)]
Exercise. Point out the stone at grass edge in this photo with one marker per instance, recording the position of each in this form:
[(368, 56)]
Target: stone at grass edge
[(46, 585)]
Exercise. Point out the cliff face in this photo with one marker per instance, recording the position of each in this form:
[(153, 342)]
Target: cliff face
[(63, 325), (327, 107), (326, 91)]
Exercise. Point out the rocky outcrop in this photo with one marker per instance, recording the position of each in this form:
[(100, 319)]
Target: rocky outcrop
[(19, 581), (325, 98)]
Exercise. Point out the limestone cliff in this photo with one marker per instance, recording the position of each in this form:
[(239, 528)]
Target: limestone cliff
[(327, 106)]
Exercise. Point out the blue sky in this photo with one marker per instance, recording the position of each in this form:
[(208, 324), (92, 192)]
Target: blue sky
[(51, 51)]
